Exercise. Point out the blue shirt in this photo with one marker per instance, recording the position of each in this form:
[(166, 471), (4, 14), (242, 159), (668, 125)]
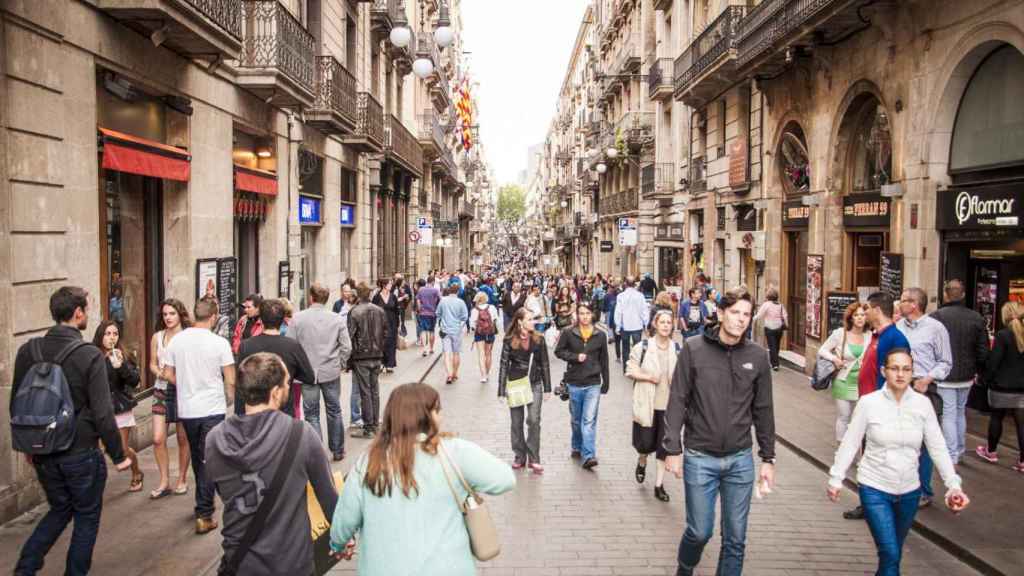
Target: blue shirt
[(888, 339), (929, 346), (452, 314)]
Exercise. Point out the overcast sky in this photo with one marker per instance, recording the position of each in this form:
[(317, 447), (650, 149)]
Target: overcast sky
[(520, 51)]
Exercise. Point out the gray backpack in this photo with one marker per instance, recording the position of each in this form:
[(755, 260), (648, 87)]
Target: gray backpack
[(42, 413)]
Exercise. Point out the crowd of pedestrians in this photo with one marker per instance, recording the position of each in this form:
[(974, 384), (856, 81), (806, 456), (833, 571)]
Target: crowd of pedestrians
[(900, 377)]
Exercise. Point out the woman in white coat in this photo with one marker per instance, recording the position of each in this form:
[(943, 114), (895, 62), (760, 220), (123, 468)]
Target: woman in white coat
[(651, 365)]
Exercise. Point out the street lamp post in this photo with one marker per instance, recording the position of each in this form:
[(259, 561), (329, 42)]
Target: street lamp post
[(444, 35)]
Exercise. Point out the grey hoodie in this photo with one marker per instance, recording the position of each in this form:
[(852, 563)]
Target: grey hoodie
[(242, 455)]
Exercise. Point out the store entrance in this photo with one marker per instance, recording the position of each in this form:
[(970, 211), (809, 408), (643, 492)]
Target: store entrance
[(132, 260), (796, 289), (994, 279), (866, 256)]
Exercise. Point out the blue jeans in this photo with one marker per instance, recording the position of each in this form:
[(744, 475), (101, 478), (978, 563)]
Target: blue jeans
[(704, 477), (583, 403), (196, 429), (74, 485), (628, 338), (889, 517), (332, 401), (954, 419), (924, 472), (355, 405)]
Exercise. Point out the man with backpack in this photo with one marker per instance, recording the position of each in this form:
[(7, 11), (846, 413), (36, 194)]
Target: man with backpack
[(62, 379)]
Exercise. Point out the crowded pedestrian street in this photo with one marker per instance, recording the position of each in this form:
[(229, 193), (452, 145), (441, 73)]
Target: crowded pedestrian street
[(511, 288), (565, 522)]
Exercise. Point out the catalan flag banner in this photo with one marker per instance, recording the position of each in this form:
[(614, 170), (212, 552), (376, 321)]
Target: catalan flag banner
[(464, 113)]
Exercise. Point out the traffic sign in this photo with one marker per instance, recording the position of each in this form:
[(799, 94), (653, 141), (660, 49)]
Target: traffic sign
[(627, 232), (414, 236)]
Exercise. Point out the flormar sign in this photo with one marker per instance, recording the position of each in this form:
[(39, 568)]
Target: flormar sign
[(993, 207)]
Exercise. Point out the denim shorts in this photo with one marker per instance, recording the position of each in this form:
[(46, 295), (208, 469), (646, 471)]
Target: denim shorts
[(426, 323), (489, 338)]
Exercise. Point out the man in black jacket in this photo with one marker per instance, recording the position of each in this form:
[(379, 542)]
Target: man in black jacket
[(366, 326), (968, 339), (722, 386), (74, 479), (512, 301)]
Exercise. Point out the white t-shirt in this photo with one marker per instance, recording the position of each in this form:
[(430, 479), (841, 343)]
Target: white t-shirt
[(197, 356)]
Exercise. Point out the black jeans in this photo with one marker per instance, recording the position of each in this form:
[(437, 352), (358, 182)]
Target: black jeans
[(627, 339), (196, 429), (774, 338), (527, 446), (74, 485), (995, 427), (364, 375)]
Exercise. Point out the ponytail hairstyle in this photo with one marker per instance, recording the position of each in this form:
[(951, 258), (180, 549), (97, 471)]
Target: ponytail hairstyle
[(1013, 318)]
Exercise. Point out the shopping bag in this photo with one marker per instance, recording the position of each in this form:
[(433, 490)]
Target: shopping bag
[(320, 527)]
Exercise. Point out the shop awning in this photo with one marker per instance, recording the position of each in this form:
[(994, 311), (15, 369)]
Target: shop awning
[(134, 155), (253, 180)]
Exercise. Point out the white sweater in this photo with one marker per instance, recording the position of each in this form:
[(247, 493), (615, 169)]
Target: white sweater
[(894, 432)]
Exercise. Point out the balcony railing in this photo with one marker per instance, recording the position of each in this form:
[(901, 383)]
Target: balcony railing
[(275, 43), (369, 133), (431, 134), (719, 40), (659, 79), (657, 179), (563, 158), (778, 22), (383, 14), (635, 129), (627, 58), (402, 146), (620, 202), (336, 109), (191, 27)]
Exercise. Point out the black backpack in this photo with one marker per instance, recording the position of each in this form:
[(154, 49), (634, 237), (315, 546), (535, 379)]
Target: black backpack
[(42, 413)]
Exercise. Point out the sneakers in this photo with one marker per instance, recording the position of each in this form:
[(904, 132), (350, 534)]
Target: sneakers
[(1018, 467), (518, 464), (365, 433), (205, 525), (984, 454), (855, 514), (575, 455), (536, 468), (357, 425), (339, 457), (590, 464), (483, 380), (925, 502)]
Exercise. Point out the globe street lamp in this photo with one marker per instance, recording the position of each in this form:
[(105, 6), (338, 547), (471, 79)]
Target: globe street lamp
[(612, 152), (602, 168)]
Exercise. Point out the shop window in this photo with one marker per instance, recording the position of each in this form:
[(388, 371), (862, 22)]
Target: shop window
[(989, 129), (794, 167), (871, 150)]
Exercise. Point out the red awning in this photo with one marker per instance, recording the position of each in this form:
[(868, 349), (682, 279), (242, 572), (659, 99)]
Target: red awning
[(126, 153), (253, 180)]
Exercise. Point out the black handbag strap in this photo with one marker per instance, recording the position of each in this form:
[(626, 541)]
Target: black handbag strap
[(270, 495)]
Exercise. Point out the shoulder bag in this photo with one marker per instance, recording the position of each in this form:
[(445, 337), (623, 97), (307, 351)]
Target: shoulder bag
[(519, 392), (483, 535), (259, 520)]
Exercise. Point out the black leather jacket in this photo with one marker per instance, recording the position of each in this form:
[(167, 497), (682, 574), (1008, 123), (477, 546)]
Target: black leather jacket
[(366, 327), (968, 338), (515, 363)]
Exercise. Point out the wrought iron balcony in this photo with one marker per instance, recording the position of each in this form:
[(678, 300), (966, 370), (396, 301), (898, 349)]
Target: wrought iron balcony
[(369, 132), (627, 58), (708, 65), (657, 179), (383, 15), (635, 129), (402, 147), (190, 27), (775, 26), (278, 54), (431, 135), (563, 158), (659, 79), (336, 110), (435, 210), (619, 203)]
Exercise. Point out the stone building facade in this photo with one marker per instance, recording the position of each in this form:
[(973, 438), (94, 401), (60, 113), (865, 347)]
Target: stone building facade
[(827, 149), (170, 149)]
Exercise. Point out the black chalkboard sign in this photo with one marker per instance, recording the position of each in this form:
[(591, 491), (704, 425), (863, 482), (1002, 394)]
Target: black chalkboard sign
[(836, 304), (890, 276), (227, 284)]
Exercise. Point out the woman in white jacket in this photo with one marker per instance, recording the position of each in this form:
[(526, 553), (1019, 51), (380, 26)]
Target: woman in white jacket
[(894, 421), (845, 348), (651, 365)]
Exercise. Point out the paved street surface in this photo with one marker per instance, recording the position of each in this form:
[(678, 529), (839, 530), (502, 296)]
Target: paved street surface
[(568, 521)]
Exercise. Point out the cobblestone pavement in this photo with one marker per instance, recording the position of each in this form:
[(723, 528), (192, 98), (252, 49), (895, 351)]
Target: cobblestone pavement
[(570, 521)]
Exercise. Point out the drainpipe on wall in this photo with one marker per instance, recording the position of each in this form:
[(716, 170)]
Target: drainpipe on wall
[(294, 231)]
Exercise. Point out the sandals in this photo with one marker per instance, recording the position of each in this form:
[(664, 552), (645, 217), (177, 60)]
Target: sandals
[(136, 485), (641, 473), (158, 494), (181, 490)]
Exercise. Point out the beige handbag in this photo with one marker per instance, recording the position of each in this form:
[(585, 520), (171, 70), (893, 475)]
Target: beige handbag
[(483, 535)]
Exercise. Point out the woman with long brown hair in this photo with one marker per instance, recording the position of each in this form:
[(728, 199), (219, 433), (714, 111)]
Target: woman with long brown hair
[(845, 348), (565, 308), (524, 366), (173, 319), (123, 378), (398, 495)]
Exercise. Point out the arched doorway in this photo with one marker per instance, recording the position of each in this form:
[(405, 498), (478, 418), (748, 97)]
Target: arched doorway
[(793, 168), (980, 215), (864, 165)]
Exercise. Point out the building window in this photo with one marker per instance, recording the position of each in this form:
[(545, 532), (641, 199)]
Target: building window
[(871, 150), (794, 167), (988, 125)]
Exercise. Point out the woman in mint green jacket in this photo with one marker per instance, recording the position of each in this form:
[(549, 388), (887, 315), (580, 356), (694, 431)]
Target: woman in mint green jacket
[(398, 499)]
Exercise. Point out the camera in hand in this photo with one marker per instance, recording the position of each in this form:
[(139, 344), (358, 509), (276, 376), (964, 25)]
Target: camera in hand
[(562, 391)]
